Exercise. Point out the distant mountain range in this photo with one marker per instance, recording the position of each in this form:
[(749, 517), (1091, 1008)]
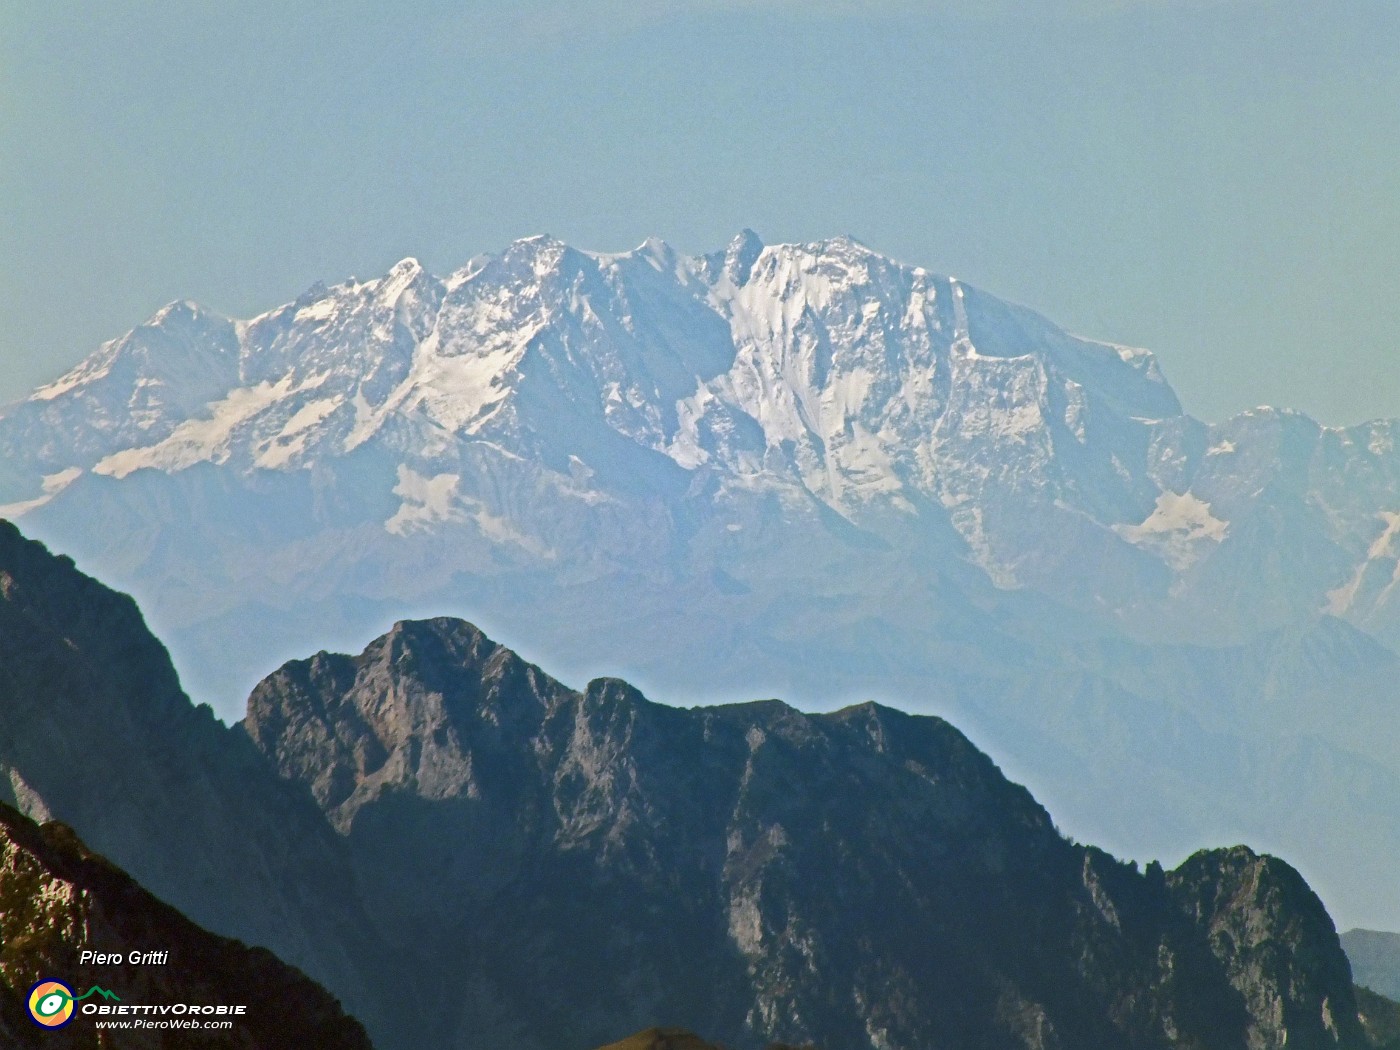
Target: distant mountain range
[(799, 470), (1375, 960), (438, 823)]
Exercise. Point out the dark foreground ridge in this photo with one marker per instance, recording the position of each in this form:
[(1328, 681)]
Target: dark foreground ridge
[(662, 1039), (96, 732), (58, 899), (436, 821), (862, 878), (675, 1039)]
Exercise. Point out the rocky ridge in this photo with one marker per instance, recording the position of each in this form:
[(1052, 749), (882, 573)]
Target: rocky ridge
[(96, 732), (864, 877), (58, 899), (440, 820)]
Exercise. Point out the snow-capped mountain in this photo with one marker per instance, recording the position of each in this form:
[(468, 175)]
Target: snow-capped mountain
[(806, 467), (823, 374)]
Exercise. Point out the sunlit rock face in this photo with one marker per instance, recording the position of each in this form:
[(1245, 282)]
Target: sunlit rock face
[(588, 860), (67, 913)]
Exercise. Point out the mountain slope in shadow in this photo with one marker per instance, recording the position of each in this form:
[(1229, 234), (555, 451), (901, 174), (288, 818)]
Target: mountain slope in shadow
[(58, 899)]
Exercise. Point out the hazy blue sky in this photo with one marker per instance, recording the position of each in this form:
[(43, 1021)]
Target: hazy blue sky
[(1219, 181)]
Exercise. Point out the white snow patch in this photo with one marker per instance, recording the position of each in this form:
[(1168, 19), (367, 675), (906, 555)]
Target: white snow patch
[(1076, 410), (1384, 545), (459, 387), (1222, 449), (426, 501), (310, 414), (500, 530), (13, 511), (52, 485), (1175, 529), (861, 466), (61, 386), (458, 390), (90, 371), (1127, 354), (323, 310), (398, 280), (205, 440), (686, 448), (56, 483), (1341, 599), (291, 441)]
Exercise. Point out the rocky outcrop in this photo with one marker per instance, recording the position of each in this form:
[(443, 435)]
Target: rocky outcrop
[(96, 732), (58, 899), (1277, 945), (588, 860), (1380, 1017)]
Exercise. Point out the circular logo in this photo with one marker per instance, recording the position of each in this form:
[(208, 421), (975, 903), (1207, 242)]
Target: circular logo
[(51, 1004)]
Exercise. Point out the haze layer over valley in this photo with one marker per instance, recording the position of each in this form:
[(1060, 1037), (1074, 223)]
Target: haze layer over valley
[(436, 820)]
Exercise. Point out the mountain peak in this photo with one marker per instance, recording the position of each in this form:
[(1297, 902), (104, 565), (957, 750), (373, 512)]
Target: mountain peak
[(850, 377), (887, 843), (848, 242), (535, 244), (183, 310), (745, 239), (743, 251)]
